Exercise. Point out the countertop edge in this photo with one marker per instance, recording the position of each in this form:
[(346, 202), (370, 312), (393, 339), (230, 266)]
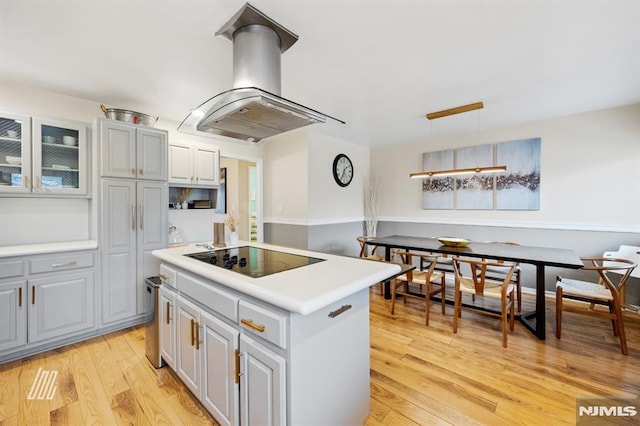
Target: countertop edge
[(29, 249), (380, 272)]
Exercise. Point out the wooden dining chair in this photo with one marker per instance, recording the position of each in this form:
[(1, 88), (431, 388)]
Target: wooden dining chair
[(421, 283), (364, 253), (498, 273), (479, 284), (604, 292)]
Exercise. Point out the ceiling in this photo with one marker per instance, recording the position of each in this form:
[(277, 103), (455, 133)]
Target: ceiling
[(379, 65)]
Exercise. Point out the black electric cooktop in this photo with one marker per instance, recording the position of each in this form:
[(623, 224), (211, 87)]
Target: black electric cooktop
[(253, 261)]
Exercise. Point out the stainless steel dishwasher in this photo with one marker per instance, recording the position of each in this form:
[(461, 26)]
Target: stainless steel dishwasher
[(152, 323)]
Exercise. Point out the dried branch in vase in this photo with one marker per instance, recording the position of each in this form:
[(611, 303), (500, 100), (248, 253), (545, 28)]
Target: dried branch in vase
[(232, 221)]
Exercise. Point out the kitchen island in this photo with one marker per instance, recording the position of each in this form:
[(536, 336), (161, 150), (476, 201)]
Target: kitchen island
[(289, 347)]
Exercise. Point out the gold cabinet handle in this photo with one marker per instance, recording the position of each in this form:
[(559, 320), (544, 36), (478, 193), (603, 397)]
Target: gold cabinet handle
[(26, 181), (33, 295), (237, 367), (197, 336), (197, 178), (20, 296), (168, 313), (141, 217), (141, 172), (252, 325), (193, 336), (38, 182), (133, 172), (133, 217)]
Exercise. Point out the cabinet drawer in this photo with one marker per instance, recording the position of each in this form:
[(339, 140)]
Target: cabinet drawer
[(11, 268), (210, 296), (266, 323), (168, 275), (62, 262)]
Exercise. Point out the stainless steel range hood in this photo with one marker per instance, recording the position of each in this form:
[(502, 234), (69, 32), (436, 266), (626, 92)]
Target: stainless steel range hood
[(253, 109)]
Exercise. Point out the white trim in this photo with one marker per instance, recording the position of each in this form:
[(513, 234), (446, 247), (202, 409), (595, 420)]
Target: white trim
[(312, 222), (595, 227)]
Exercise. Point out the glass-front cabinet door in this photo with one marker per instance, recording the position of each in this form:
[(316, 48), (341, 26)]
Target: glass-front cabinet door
[(15, 153), (59, 157)]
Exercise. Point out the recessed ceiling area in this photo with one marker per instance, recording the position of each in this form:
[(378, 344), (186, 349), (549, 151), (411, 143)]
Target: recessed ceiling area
[(378, 65)]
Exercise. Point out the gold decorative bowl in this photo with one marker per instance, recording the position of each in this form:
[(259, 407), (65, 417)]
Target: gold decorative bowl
[(454, 242)]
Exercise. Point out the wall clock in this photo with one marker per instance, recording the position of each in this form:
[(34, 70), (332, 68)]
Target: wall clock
[(342, 170)]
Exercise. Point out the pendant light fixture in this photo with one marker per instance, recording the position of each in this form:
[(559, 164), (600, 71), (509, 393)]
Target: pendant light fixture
[(445, 113)]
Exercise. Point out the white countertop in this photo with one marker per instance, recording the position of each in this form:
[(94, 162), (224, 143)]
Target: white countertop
[(301, 290), (28, 249)]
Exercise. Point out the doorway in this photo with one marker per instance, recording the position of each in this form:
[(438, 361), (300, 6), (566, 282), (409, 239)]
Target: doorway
[(243, 193)]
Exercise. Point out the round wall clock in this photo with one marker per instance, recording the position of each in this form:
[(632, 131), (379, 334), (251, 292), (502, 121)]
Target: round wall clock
[(342, 170)]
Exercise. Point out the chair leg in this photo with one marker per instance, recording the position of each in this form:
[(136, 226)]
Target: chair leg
[(503, 306), (427, 300), (393, 296), (456, 310), (558, 311), (512, 315), (620, 323), (443, 297), (614, 315)]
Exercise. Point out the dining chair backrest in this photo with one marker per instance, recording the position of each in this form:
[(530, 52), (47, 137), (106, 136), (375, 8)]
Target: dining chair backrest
[(603, 265), (478, 269), (631, 253), (364, 252)]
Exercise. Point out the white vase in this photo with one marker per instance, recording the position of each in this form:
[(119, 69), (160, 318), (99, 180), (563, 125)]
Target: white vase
[(233, 238), (185, 205)]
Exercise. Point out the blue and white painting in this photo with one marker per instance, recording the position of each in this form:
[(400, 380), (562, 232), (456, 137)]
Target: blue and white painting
[(518, 188), (474, 191), (437, 192)]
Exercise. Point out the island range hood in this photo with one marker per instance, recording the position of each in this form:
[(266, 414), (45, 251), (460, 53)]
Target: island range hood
[(253, 109)]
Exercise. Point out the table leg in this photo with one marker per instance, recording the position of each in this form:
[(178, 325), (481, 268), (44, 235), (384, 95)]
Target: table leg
[(539, 328), (387, 283)]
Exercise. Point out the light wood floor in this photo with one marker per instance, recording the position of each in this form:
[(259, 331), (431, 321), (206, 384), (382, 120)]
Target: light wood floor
[(419, 375)]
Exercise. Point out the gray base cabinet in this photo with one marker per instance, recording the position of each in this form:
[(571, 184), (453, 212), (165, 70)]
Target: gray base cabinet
[(48, 297)]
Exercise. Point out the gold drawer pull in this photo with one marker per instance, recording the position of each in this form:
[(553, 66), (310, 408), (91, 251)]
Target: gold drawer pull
[(197, 336), (33, 295), (252, 325), (20, 296), (193, 336), (237, 371), (337, 312), (168, 313)]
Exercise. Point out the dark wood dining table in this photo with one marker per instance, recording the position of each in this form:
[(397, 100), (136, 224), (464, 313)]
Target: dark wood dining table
[(540, 257)]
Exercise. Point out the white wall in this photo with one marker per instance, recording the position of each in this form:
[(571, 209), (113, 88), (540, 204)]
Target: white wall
[(286, 186), (329, 202), (590, 174)]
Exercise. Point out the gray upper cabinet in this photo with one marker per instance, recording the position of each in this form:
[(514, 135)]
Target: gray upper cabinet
[(50, 159), (133, 152)]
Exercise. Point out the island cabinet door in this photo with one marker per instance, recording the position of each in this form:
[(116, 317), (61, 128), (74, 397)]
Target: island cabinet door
[(263, 390), (188, 344), (167, 307), (220, 384)]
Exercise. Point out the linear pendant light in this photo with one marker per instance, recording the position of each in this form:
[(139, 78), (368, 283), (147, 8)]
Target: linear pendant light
[(489, 169), (452, 111), (457, 110)]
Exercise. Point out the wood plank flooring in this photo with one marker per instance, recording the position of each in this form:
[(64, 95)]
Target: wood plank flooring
[(419, 375)]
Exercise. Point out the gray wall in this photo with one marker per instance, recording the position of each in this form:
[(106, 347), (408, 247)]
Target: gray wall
[(341, 239), (585, 243)]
